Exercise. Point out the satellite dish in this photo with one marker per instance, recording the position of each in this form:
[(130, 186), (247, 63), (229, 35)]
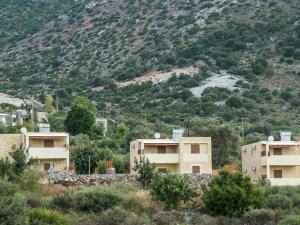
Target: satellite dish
[(157, 135), (270, 138), (23, 130)]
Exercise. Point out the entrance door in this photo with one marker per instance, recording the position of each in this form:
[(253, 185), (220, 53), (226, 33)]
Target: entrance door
[(196, 169), (277, 151), (277, 173)]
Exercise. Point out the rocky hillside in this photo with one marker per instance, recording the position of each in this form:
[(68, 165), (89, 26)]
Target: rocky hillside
[(91, 47)]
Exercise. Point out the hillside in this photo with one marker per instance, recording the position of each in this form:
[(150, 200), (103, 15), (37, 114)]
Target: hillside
[(91, 47)]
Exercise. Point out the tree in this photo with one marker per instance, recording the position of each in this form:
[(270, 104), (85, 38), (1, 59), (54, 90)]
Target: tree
[(81, 117), (145, 171), (234, 102), (56, 121), (48, 104), (20, 160), (173, 189), (231, 194)]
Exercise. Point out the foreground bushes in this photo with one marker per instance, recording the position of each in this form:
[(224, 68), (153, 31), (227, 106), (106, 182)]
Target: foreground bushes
[(231, 194), (290, 220), (96, 199), (45, 216)]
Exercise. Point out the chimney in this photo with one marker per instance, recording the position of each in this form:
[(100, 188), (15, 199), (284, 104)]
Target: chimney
[(285, 136), (177, 133)]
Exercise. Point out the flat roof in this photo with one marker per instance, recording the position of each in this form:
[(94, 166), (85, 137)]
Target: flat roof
[(47, 134), (158, 141)]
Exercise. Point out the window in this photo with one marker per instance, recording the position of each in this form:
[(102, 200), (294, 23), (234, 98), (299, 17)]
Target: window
[(139, 151), (277, 151), (161, 150), (162, 170), (195, 149), (48, 143), (196, 169), (263, 153), (277, 173)]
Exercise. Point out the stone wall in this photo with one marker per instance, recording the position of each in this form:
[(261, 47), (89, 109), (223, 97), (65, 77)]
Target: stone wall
[(70, 179)]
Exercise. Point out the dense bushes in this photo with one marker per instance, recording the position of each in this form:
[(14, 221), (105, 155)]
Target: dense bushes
[(172, 189), (231, 194), (47, 217), (290, 220), (96, 199)]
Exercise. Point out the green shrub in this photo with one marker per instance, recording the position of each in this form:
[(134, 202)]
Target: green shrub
[(63, 201), (96, 199), (259, 217), (279, 201), (231, 194), (172, 189), (234, 102), (12, 204), (290, 220), (40, 216)]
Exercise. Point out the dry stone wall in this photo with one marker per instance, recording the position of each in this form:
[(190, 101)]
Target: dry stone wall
[(70, 179)]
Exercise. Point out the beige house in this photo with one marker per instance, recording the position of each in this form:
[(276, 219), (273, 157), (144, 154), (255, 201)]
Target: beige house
[(50, 149), (278, 161), (182, 155)]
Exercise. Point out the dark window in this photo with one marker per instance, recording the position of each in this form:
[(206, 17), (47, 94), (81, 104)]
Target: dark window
[(161, 149), (277, 173), (277, 151), (162, 170), (139, 151), (46, 166), (263, 153), (195, 149), (196, 169), (48, 143)]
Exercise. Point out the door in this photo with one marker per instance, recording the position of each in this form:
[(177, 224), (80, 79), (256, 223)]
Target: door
[(277, 173), (48, 143), (161, 149), (46, 166), (277, 151), (196, 169)]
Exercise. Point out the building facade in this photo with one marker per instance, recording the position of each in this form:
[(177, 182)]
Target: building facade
[(182, 155), (277, 161), (50, 149)]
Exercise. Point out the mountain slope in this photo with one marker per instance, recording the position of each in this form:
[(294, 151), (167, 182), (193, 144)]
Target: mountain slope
[(91, 47), (125, 39)]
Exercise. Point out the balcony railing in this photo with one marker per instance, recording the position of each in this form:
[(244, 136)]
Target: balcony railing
[(163, 158), (195, 157), (48, 153), (285, 181), (281, 160)]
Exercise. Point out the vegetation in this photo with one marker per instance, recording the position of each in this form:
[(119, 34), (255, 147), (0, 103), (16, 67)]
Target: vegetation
[(145, 171), (172, 189), (231, 194)]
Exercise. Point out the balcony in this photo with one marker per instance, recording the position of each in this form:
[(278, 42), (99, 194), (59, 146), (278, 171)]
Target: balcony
[(163, 158), (48, 153), (281, 160), (195, 157), (285, 181)]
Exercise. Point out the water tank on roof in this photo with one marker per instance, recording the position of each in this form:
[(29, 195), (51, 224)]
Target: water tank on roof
[(44, 128), (286, 136), (177, 134)]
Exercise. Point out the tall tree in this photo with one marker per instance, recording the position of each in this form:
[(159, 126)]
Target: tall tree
[(81, 117)]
